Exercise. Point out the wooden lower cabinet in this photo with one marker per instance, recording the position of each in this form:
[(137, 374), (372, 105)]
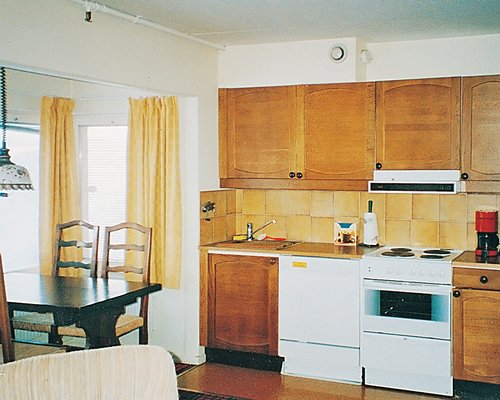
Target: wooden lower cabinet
[(243, 303), (476, 325)]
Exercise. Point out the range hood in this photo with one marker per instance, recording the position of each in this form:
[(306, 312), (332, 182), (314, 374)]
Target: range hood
[(416, 181)]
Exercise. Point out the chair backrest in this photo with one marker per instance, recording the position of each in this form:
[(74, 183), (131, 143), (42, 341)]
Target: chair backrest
[(132, 242), (71, 239), (5, 328)]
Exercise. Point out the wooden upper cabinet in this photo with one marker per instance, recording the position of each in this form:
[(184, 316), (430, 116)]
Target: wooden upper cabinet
[(418, 124), (257, 128), (336, 131), (481, 128), (297, 137)]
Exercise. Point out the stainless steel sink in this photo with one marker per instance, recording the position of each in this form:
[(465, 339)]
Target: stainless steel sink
[(288, 243), (259, 244)]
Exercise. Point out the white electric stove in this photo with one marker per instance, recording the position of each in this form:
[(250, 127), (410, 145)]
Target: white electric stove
[(406, 318), (429, 265)]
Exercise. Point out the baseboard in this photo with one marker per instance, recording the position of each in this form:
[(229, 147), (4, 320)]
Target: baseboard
[(258, 361), (473, 390)]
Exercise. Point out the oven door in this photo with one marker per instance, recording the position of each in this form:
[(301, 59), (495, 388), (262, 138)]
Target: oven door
[(406, 308)]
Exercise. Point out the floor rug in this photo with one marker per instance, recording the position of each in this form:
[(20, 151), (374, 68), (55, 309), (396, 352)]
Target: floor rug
[(189, 395), (180, 368)]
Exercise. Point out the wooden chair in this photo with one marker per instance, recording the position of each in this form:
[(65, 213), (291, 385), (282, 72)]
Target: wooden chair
[(13, 350), (132, 241), (72, 239), (137, 246)]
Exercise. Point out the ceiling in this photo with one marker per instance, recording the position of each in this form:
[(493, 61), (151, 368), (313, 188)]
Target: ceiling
[(238, 22)]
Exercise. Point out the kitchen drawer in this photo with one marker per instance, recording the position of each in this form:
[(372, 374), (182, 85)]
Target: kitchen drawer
[(476, 278), (320, 361), (406, 354)]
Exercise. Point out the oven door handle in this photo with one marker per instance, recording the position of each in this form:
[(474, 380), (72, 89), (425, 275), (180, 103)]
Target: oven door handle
[(411, 287)]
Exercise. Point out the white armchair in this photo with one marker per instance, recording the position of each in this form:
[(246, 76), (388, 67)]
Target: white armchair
[(143, 372)]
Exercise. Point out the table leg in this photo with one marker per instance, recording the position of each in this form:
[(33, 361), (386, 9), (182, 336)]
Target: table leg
[(100, 328)]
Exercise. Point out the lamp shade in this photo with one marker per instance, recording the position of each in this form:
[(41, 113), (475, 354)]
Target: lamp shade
[(13, 176)]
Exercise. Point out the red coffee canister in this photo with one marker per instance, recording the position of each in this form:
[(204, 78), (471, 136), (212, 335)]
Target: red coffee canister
[(486, 221)]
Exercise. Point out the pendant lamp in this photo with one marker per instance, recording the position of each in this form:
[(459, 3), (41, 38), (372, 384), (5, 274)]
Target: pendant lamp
[(12, 176)]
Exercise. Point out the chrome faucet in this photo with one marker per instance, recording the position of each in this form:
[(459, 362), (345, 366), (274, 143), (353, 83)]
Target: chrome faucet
[(251, 232)]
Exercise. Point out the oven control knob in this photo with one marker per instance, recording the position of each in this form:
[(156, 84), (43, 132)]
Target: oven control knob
[(422, 272), (441, 274), (432, 273), (413, 271), (390, 270)]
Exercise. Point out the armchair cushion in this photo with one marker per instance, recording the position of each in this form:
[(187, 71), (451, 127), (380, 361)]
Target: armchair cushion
[(123, 372)]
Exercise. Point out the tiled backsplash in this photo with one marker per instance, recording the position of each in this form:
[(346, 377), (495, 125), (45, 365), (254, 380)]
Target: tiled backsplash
[(403, 219)]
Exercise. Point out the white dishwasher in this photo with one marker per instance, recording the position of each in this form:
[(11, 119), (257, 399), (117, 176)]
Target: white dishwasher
[(319, 317)]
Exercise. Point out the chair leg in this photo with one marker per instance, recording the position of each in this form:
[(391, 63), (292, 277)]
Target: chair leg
[(12, 330), (143, 335), (54, 337)]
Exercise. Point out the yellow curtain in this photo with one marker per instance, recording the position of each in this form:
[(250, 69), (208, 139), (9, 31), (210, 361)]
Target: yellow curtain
[(59, 190), (154, 196)]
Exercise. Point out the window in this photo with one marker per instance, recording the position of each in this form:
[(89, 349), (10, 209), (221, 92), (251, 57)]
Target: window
[(103, 174), (20, 209)]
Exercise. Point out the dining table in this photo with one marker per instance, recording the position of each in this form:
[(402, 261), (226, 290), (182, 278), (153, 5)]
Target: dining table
[(93, 304)]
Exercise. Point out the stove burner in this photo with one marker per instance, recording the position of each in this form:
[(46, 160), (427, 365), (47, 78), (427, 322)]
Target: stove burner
[(400, 249), (437, 251), (397, 254), (432, 256)]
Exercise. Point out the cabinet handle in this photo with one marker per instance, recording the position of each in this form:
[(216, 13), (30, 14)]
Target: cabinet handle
[(456, 293), (483, 279), (272, 261), (378, 165), (291, 174), (299, 175), (464, 176)]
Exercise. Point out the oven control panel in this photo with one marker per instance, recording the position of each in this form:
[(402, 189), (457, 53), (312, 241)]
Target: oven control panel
[(407, 270)]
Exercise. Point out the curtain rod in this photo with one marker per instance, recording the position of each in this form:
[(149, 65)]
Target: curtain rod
[(137, 19)]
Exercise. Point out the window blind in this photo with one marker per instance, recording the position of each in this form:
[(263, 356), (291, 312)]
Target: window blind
[(103, 174)]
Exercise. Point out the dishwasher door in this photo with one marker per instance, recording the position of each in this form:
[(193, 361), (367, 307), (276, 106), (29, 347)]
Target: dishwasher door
[(319, 300)]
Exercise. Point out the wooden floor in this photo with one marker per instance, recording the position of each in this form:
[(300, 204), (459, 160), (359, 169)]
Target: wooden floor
[(264, 385)]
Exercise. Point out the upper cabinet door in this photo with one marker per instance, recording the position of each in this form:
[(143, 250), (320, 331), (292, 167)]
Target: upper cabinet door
[(257, 132), (336, 131), (481, 127), (418, 124)]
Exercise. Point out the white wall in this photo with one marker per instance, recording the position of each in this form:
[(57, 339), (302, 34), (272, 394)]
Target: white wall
[(308, 62), (286, 64), (477, 55), (51, 36)]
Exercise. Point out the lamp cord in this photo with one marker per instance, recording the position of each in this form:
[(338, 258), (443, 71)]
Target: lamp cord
[(3, 106)]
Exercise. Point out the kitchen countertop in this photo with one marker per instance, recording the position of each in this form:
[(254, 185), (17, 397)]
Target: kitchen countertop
[(469, 259), (300, 249)]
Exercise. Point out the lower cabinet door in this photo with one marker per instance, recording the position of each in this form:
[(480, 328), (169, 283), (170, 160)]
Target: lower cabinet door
[(243, 303), (476, 335)]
